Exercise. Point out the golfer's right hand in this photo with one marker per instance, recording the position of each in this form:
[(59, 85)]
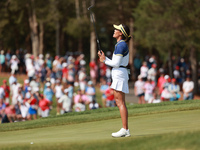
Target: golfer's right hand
[(102, 56)]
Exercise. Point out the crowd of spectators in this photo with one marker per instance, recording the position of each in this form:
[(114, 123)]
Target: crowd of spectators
[(154, 86), (69, 85), (62, 80)]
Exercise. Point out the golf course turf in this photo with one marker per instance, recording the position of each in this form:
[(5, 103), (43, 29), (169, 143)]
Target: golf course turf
[(169, 125)]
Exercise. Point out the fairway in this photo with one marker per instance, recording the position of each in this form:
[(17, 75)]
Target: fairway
[(66, 136)]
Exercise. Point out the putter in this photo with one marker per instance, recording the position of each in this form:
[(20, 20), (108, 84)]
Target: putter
[(91, 14)]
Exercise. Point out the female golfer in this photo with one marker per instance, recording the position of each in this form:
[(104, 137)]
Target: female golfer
[(120, 77)]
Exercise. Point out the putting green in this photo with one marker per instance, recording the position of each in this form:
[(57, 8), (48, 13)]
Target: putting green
[(89, 132)]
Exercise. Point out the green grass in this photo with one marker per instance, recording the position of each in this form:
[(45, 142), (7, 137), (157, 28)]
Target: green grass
[(170, 125)]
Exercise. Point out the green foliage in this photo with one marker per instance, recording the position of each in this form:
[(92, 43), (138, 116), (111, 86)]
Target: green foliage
[(166, 25)]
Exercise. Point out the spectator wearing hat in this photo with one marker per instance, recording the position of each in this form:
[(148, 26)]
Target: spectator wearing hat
[(2, 61), (177, 74), (188, 87), (58, 90), (174, 90), (139, 90), (65, 102), (82, 76), (14, 64), (64, 72), (48, 92), (6, 90), (90, 91)]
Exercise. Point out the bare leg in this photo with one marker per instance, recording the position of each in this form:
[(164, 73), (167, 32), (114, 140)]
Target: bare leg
[(120, 101)]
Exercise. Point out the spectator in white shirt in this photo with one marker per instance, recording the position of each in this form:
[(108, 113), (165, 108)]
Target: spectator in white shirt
[(188, 87), (144, 71), (139, 89)]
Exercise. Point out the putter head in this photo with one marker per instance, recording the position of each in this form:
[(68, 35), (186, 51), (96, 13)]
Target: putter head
[(90, 7)]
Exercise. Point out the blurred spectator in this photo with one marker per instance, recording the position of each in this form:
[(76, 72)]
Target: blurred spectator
[(64, 72), (7, 59), (93, 71), (174, 90), (10, 115), (14, 64), (12, 79), (81, 96), (148, 90), (90, 91), (2, 93), (94, 105), (71, 74), (103, 89), (82, 79), (14, 92), (34, 84), (188, 87), (66, 102), (33, 108), (48, 93), (2, 61), (110, 101), (161, 81), (6, 90), (44, 107), (48, 61), (152, 73), (137, 64), (139, 90), (58, 90), (2, 108), (80, 106), (144, 71), (177, 75)]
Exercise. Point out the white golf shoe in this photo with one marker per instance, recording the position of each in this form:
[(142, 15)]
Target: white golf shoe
[(121, 133)]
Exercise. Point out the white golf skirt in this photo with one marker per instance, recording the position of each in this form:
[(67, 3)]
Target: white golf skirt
[(120, 80)]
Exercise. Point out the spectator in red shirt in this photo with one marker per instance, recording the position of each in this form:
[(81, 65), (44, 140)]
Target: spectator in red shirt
[(33, 108), (110, 102), (6, 90), (44, 107)]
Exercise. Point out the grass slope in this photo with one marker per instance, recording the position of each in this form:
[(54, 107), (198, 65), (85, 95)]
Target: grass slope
[(172, 125)]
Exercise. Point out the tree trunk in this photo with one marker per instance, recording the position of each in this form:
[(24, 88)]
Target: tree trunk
[(78, 18), (132, 49), (57, 37), (93, 44), (84, 8), (41, 37), (193, 60), (33, 26)]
